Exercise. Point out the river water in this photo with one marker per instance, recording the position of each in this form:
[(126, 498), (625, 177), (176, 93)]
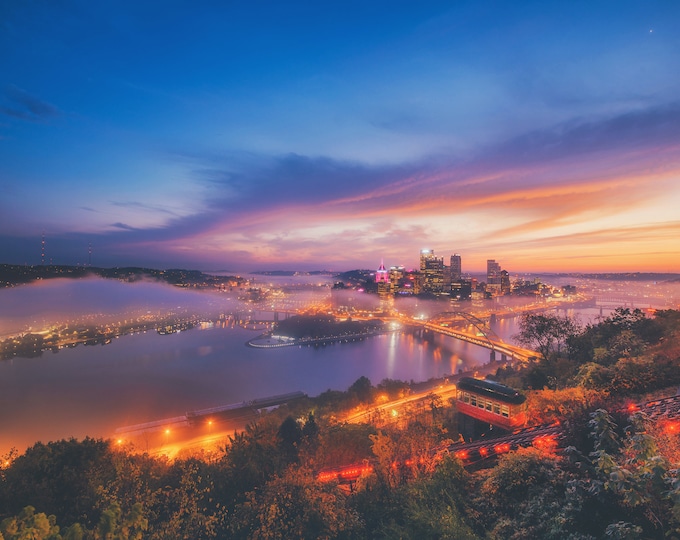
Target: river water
[(92, 390)]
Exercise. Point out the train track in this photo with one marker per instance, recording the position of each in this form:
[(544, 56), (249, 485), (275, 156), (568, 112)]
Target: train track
[(545, 436)]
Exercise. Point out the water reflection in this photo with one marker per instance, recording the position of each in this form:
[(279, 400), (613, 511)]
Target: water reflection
[(93, 390)]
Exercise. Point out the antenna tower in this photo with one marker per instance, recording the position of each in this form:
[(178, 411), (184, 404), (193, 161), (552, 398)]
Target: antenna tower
[(89, 254), (42, 257)]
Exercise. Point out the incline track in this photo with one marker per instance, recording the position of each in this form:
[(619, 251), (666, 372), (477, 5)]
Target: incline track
[(548, 436)]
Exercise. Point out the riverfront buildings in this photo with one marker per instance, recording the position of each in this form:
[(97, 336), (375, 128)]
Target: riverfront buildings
[(433, 277)]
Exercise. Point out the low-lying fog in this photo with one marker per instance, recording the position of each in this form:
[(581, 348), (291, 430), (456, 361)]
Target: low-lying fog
[(40, 304)]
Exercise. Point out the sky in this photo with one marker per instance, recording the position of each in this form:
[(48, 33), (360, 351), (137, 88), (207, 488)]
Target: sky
[(261, 135)]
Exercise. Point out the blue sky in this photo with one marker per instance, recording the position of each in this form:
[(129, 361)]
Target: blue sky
[(252, 135)]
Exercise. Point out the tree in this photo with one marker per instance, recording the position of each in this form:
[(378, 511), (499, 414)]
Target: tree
[(62, 478), (547, 333), (29, 526), (341, 444), (435, 402), (184, 506), (113, 525), (288, 438), (362, 389), (385, 451), (429, 508), (634, 472), (526, 496), (547, 406), (295, 505), (251, 458)]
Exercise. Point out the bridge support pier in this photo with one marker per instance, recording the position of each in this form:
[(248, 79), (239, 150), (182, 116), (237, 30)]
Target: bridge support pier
[(492, 356), (504, 357)]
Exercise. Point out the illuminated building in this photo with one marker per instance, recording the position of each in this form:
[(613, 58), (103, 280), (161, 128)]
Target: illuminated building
[(432, 271), (396, 279), (412, 282), (382, 278), (456, 268), (505, 282), (455, 280), (381, 275), (493, 277)]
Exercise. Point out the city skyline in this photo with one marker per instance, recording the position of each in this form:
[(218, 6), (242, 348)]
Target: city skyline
[(313, 137)]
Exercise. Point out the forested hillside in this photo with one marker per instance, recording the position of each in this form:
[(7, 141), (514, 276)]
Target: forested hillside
[(613, 476)]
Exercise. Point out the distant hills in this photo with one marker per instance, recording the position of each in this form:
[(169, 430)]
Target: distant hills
[(14, 274), (293, 273), (621, 276)]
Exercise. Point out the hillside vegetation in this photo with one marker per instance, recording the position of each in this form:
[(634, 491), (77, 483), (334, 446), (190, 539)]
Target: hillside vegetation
[(615, 476)]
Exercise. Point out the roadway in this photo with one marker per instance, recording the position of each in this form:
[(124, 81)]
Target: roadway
[(512, 351)]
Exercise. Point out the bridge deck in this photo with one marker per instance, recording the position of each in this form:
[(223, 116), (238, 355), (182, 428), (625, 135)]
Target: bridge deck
[(518, 353)]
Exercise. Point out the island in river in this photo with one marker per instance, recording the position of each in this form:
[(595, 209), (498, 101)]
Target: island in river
[(316, 330)]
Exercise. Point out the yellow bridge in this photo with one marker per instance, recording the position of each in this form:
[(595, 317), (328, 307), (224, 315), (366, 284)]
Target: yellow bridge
[(484, 337)]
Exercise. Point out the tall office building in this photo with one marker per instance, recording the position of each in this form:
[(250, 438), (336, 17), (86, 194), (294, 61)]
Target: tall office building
[(493, 272), (456, 268), (432, 271), (506, 287), (493, 277), (382, 278), (381, 275), (396, 279)]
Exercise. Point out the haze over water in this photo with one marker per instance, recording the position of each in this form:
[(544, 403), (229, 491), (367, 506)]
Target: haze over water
[(92, 390)]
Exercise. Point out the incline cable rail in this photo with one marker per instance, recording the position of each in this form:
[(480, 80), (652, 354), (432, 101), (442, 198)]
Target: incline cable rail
[(547, 436)]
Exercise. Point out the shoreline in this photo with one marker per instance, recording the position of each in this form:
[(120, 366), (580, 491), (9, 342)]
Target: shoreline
[(267, 341)]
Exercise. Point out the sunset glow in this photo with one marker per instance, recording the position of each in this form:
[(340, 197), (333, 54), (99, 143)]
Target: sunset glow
[(544, 135)]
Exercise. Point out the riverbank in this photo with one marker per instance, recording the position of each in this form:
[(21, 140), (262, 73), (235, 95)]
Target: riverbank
[(269, 341)]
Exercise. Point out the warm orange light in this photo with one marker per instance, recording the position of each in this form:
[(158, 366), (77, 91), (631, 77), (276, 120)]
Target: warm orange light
[(501, 448), (545, 442), (672, 428)]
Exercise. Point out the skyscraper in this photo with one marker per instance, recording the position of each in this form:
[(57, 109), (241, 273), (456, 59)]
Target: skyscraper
[(493, 277), (432, 271), (382, 278), (456, 268), (493, 272), (381, 275)]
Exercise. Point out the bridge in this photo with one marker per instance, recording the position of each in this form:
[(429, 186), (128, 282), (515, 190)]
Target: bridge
[(641, 302), (484, 337)]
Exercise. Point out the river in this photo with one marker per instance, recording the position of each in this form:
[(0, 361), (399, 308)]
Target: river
[(92, 390)]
